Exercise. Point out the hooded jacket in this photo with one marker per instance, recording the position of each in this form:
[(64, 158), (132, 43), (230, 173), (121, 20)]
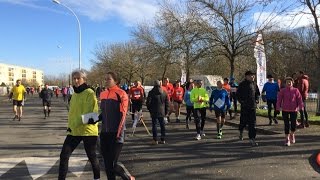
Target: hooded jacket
[(289, 100), (157, 102), (83, 101), (303, 86)]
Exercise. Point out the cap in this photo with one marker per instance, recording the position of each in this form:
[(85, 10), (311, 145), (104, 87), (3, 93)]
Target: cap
[(156, 83), (249, 73), (269, 76)]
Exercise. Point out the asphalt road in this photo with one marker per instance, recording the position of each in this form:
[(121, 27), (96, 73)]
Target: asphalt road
[(30, 150)]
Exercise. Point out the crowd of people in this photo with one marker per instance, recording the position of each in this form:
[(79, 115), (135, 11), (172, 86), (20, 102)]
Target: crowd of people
[(164, 99)]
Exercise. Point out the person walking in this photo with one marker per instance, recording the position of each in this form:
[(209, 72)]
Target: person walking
[(114, 107), (18, 96), (271, 89), (289, 102), (70, 93), (248, 96), (136, 96), (177, 98), (46, 94), (169, 89), (199, 97), (83, 102), (189, 104), (158, 106), (220, 101), (303, 86), (227, 87), (233, 95)]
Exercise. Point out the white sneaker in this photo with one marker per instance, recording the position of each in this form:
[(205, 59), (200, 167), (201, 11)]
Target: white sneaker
[(198, 137), (202, 134), (165, 119)]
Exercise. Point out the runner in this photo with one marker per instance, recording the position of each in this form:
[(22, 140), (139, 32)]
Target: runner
[(83, 102), (271, 88), (200, 98), (46, 94), (136, 96), (227, 87), (70, 93), (64, 93), (303, 86), (220, 99), (169, 87), (158, 106), (189, 104), (233, 95), (114, 106), (248, 96), (177, 98), (18, 94), (289, 102)]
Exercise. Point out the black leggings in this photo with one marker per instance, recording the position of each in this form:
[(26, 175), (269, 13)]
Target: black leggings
[(70, 144), (292, 119), (189, 111), (202, 112), (110, 150)]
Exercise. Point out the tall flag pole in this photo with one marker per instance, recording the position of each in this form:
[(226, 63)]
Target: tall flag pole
[(259, 54)]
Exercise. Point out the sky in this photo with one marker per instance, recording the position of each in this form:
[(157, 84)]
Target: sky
[(44, 35)]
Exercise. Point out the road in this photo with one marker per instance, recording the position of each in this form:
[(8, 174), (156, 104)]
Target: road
[(30, 150)]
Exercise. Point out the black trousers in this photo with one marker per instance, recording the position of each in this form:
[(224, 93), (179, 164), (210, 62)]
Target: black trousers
[(271, 103), (189, 111), (70, 144), (248, 117), (304, 113), (111, 150), (202, 112), (289, 119)]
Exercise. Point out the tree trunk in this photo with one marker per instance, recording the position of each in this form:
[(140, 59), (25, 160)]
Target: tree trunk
[(232, 67)]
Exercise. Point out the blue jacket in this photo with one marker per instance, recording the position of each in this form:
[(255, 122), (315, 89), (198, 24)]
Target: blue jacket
[(271, 90), (187, 98), (221, 94)]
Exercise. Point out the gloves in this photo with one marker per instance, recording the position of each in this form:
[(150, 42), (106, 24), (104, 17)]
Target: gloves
[(91, 121)]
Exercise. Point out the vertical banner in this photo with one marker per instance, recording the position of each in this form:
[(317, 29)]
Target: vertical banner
[(183, 76), (260, 56)]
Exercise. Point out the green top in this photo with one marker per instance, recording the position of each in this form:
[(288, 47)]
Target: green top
[(82, 103), (199, 93)]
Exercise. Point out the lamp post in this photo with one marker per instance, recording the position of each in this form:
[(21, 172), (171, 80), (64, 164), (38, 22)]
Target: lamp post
[(79, 28)]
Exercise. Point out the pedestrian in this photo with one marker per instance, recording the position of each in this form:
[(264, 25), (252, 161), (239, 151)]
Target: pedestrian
[(158, 106), (271, 88), (46, 94), (289, 102), (70, 93), (177, 98), (83, 101), (18, 96), (189, 104), (303, 86), (233, 95), (57, 91), (220, 101), (136, 96), (114, 107), (248, 96), (64, 93), (227, 87), (200, 98), (98, 91), (169, 89)]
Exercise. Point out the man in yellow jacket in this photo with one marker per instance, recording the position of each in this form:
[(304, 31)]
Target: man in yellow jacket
[(200, 99)]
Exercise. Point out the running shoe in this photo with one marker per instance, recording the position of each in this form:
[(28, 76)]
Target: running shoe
[(275, 120), (187, 126), (292, 138), (307, 125), (198, 137), (162, 142), (15, 117), (219, 136), (202, 133), (253, 143), (287, 142), (154, 142), (241, 137)]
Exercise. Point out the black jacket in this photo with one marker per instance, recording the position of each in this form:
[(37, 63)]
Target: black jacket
[(46, 94), (248, 94), (157, 102)]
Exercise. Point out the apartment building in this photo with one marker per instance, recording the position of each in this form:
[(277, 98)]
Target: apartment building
[(10, 73)]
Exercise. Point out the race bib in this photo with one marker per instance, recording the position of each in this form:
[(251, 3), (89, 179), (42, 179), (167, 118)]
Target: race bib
[(219, 103)]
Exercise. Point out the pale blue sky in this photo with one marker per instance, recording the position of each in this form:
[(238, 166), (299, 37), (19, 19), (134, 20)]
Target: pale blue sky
[(41, 34)]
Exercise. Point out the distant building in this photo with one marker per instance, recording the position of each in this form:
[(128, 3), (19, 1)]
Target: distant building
[(10, 73)]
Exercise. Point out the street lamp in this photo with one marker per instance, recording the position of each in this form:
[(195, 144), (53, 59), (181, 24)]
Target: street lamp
[(79, 28)]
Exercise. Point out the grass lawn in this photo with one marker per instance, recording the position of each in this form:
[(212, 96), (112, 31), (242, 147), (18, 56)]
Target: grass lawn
[(264, 113)]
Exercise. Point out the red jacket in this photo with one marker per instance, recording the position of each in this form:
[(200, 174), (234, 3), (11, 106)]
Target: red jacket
[(170, 89), (136, 93), (303, 86)]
